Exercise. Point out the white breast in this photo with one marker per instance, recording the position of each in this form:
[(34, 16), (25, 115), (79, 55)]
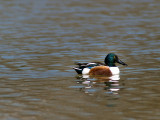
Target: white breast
[(114, 70)]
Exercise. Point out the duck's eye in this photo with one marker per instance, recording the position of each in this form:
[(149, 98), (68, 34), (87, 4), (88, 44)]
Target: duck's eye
[(115, 58)]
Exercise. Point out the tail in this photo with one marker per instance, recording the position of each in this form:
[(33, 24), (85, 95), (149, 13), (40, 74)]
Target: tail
[(78, 70)]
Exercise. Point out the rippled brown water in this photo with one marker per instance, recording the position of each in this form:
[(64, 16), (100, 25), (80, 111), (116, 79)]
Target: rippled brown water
[(40, 41)]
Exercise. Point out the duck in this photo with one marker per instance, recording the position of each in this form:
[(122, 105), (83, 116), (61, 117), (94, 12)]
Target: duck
[(108, 68)]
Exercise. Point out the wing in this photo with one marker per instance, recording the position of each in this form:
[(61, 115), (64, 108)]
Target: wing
[(91, 64)]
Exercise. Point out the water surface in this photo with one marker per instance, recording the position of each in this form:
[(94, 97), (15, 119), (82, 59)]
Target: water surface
[(40, 41)]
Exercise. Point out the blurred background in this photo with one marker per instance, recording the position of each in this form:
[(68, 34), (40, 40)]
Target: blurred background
[(41, 39)]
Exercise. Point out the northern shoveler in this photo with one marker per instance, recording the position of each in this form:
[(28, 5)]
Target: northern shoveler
[(107, 68)]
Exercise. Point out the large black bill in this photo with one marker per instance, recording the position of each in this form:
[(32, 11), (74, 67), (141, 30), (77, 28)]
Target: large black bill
[(120, 62)]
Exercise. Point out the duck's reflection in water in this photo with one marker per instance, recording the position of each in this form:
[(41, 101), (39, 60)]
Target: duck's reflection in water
[(91, 85)]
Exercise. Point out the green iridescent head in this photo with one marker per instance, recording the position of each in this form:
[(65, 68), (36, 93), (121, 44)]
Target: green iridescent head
[(111, 59)]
